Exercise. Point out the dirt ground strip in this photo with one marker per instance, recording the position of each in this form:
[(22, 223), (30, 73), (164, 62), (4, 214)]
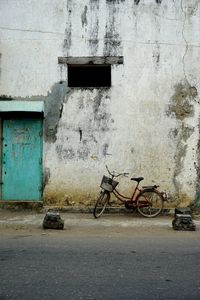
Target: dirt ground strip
[(23, 224)]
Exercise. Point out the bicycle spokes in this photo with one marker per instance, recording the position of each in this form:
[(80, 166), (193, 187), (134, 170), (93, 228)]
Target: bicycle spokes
[(149, 203)]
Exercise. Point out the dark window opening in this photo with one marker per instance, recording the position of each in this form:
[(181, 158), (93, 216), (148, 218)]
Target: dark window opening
[(89, 75)]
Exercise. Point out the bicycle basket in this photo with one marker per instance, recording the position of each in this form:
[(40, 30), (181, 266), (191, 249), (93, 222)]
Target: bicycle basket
[(108, 184)]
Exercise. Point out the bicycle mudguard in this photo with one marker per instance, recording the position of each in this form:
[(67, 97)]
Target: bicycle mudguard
[(154, 189), (150, 187)]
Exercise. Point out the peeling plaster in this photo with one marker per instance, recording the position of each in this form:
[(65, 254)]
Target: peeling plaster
[(190, 8), (180, 154), (181, 107), (182, 101)]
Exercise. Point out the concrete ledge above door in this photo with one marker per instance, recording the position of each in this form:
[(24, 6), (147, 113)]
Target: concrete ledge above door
[(22, 106)]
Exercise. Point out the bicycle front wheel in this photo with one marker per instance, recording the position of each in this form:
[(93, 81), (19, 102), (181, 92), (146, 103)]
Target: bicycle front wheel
[(149, 203), (101, 204)]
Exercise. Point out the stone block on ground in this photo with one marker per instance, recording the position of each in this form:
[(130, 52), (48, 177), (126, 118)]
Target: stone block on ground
[(182, 211), (183, 220), (52, 220)]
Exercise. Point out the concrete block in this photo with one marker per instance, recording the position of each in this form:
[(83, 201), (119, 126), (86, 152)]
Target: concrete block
[(52, 220)]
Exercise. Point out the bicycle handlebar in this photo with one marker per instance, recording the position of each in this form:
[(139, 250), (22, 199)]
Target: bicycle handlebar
[(119, 174)]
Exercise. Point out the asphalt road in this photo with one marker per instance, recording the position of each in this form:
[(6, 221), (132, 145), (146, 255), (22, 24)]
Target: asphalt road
[(102, 264)]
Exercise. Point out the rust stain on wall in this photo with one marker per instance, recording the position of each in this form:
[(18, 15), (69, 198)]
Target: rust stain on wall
[(71, 197)]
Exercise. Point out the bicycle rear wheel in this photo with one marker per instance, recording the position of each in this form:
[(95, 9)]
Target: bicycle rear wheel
[(101, 204), (149, 203)]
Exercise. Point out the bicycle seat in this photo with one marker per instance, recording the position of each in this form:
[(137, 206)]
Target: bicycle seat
[(138, 179)]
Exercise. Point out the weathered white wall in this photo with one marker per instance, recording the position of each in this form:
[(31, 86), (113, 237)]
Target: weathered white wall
[(147, 123)]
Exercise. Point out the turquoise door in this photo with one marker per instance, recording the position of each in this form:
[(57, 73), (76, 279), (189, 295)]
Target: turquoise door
[(22, 160)]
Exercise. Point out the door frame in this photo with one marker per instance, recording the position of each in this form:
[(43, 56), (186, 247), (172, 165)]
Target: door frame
[(14, 109), (1, 145)]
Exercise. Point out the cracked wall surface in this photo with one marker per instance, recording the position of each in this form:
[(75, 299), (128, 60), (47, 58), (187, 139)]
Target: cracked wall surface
[(147, 123)]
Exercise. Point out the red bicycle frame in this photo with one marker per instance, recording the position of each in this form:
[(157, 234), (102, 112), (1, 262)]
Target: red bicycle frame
[(124, 199)]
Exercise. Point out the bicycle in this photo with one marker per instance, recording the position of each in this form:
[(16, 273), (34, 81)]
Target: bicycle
[(148, 200)]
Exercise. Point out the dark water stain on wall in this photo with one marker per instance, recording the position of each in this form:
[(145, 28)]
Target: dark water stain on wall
[(97, 103), (6, 97), (156, 56), (184, 133), (53, 108), (0, 64), (46, 176), (112, 39), (94, 28), (83, 152), (68, 30), (197, 167), (105, 149), (65, 153), (138, 1), (53, 103), (84, 16), (101, 115), (90, 130), (115, 1), (181, 107)]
